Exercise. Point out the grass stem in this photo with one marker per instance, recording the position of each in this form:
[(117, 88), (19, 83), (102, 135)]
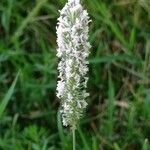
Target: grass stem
[(74, 138)]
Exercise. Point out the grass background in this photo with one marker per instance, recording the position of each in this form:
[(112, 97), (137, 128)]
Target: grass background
[(118, 114)]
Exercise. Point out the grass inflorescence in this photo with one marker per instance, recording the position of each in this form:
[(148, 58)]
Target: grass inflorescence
[(118, 115)]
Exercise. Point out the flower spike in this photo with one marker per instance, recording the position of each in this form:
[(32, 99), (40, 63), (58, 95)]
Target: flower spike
[(73, 51)]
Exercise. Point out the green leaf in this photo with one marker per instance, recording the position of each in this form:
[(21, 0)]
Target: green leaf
[(8, 95), (111, 106), (132, 38), (83, 138), (60, 129), (116, 147), (112, 58), (145, 145)]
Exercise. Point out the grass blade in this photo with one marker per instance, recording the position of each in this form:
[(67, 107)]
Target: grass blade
[(8, 95), (112, 58), (28, 19), (60, 130), (111, 106), (145, 145), (86, 145)]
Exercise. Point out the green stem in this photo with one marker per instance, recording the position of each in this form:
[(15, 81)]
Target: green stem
[(74, 139)]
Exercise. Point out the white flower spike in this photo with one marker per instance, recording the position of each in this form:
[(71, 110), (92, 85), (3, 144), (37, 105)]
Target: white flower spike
[(73, 51)]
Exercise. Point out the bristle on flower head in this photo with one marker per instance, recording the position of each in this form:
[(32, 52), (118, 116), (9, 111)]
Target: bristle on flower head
[(75, 1), (73, 51)]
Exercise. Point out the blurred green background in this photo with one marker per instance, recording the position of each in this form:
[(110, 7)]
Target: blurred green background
[(118, 114)]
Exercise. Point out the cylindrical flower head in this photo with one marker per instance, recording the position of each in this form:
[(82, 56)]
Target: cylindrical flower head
[(73, 51)]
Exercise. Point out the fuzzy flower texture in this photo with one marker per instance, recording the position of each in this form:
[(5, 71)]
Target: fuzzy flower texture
[(73, 51)]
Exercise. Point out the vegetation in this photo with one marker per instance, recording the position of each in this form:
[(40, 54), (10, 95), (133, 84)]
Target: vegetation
[(118, 114)]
